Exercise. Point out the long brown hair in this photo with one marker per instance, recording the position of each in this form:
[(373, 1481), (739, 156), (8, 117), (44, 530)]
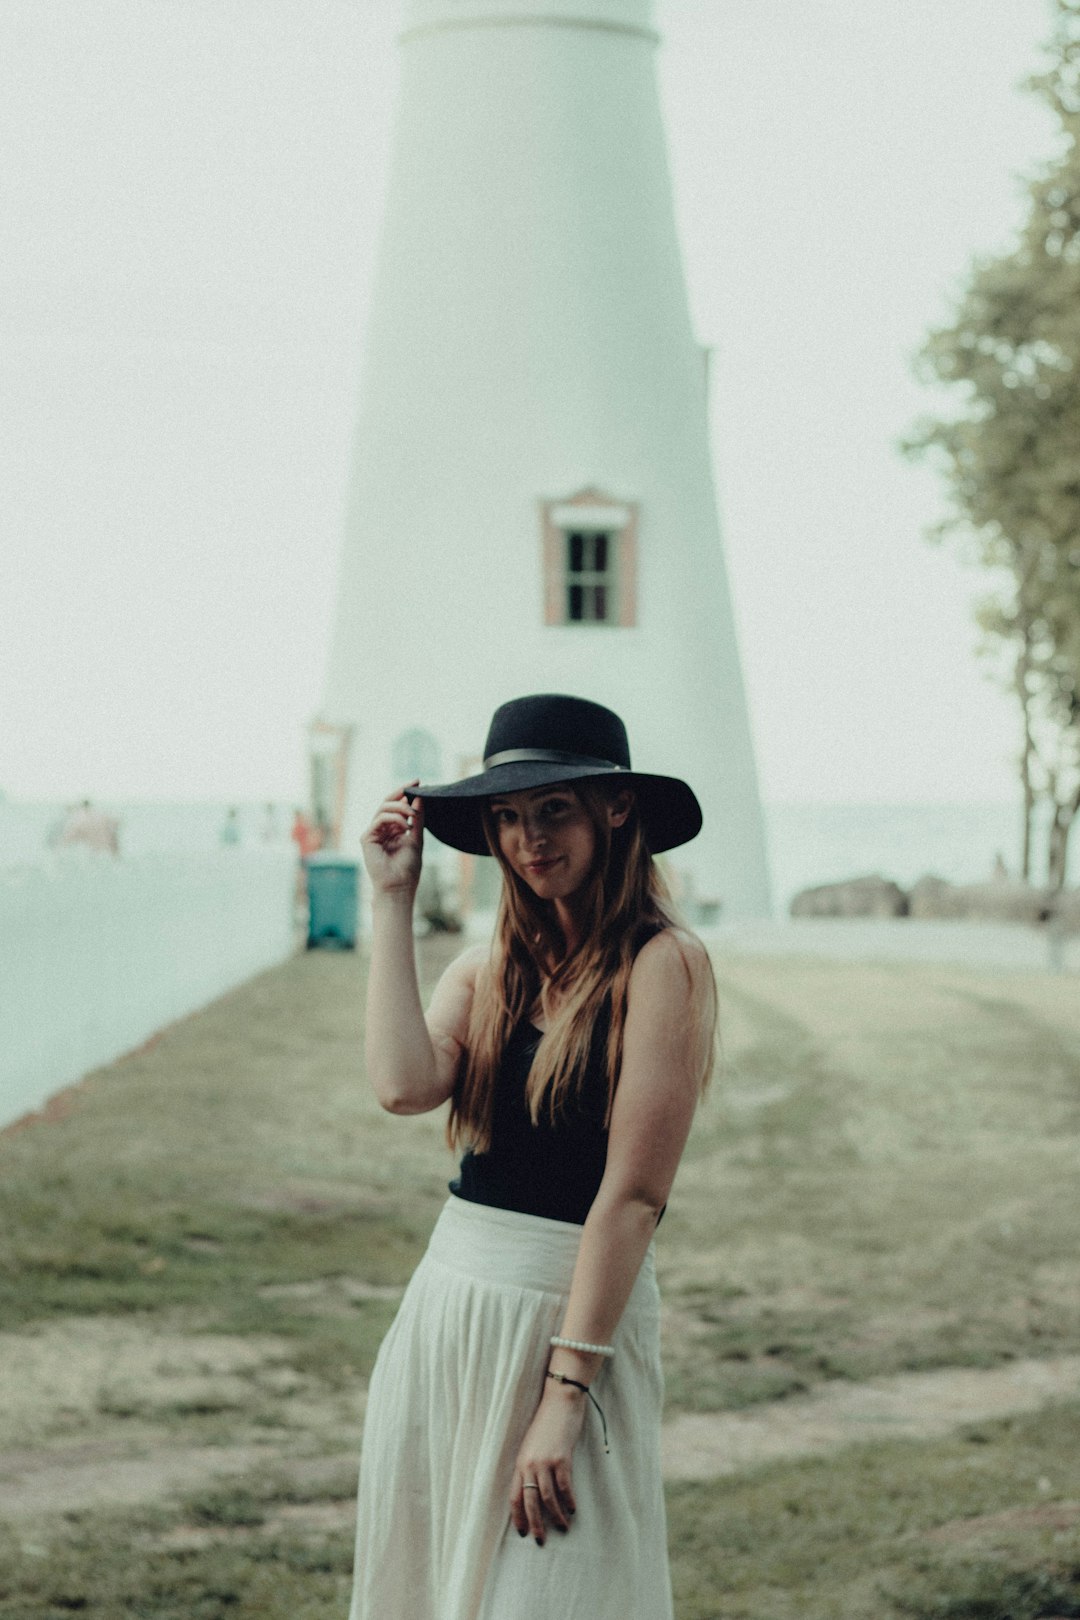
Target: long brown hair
[(626, 901)]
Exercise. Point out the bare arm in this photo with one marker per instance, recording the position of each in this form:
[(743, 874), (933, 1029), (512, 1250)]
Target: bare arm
[(412, 1061), (651, 1117)]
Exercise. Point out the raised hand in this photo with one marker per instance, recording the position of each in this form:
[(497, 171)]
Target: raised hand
[(393, 844)]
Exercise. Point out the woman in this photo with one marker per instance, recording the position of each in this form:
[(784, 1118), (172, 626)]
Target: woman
[(519, 1389)]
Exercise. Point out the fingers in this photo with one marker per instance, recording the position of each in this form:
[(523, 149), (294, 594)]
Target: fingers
[(389, 829), (526, 1513), (518, 1517), (533, 1510), (551, 1497), (397, 819), (524, 1509), (541, 1494), (565, 1483)]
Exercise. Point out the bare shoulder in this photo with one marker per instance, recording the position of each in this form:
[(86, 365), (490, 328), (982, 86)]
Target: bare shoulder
[(451, 1001), (674, 963), (463, 971), (671, 1013)]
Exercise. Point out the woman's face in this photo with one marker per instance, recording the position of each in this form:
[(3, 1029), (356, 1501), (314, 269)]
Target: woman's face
[(547, 838)]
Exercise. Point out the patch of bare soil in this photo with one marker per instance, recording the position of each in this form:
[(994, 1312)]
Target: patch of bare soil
[(315, 1519), (912, 1406), (61, 1378), (72, 1479), (331, 1296), (89, 1411), (84, 1407), (52, 1111), (1044, 1516)]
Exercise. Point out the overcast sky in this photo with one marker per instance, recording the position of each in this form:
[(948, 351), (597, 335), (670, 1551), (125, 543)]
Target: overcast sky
[(190, 193)]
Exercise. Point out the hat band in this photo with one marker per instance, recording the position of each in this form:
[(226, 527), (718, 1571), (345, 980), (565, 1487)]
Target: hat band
[(546, 756)]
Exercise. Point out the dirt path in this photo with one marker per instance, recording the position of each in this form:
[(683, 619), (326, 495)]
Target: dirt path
[(120, 1463), (911, 1406), (73, 1479)]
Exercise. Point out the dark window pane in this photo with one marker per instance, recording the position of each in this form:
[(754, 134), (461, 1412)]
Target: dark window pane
[(575, 606), (601, 542), (600, 603), (577, 549)]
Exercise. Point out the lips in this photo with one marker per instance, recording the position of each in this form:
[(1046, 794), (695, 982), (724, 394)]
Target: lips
[(541, 866)]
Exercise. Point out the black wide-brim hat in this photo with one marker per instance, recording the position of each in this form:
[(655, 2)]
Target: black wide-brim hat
[(534, 741)]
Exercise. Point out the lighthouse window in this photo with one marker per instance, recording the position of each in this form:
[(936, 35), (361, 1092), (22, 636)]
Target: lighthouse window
[(589, 559), (589, 577)]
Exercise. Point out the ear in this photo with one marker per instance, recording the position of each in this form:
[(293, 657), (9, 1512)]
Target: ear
[(619, 807)]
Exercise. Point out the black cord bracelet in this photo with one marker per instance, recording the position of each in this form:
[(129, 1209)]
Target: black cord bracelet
[(561, 1378)]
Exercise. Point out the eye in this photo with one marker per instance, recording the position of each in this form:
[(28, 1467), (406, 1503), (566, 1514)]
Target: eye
[(502, 816), (554, 807)]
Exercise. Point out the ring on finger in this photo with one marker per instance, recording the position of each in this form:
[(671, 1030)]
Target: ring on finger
[(530, 1485)]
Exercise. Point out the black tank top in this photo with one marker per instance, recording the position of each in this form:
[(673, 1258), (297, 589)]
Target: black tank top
[(546, 1169), (542, 1169)]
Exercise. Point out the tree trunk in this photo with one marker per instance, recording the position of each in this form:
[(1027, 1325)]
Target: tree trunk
[(1061, 826), (1026, 755), (1029, 816)]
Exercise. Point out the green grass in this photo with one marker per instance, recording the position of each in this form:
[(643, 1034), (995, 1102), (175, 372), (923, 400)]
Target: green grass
[(113, 1570), (948, 1530), (883, 1180), (236, 1153), (883, 1531)]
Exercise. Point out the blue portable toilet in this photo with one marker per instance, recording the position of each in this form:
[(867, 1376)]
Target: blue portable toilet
[(333, 893)]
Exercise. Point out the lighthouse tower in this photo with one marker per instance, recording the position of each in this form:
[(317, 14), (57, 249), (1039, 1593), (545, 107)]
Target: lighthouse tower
[(531, 504)]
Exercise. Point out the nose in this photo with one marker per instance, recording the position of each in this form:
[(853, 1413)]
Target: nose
[(532, 830)]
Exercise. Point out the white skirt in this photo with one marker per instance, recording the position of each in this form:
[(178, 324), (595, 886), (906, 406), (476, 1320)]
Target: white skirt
[(455, 1385)]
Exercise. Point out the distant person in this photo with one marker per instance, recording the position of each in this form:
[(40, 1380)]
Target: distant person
[(269, 831), (90, 828), (230, 832), (305, 835), (308, 840), (1000, 872)]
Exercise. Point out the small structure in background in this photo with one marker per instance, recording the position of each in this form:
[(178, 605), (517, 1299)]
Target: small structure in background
[(1000, 900), (872, 896), (90, 828), (333, 901), (328, 758)]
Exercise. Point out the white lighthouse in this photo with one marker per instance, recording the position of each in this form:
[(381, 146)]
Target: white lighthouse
[(532, 504)]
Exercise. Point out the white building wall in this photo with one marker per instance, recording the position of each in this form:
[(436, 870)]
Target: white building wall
[(96, 954), (529, 337)]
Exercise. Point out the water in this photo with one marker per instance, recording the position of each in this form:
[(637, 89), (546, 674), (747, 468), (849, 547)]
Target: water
[(808, 844), (145, 829)]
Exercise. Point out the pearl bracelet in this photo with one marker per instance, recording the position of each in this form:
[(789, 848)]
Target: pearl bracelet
[(579, 1344)]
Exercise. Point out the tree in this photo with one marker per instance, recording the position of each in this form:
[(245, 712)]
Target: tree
[(1011, 454)]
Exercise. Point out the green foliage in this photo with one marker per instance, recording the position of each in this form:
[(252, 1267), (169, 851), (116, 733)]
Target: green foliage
[(1010, 453)]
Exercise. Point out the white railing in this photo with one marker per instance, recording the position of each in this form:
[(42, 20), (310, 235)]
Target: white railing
[(96, 954)]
